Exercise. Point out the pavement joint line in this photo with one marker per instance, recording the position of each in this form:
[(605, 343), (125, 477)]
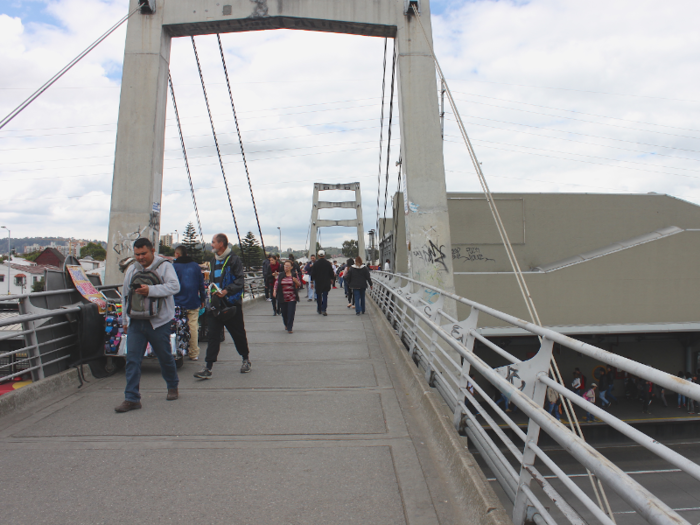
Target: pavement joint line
[(369, 436)]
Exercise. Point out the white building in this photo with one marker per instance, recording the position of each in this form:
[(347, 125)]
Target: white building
[(16, 278)]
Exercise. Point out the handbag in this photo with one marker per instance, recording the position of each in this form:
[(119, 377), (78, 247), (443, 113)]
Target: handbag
[(219, 311)]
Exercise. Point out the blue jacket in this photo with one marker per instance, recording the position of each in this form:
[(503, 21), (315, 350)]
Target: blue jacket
[(192, 293), (229, 274)]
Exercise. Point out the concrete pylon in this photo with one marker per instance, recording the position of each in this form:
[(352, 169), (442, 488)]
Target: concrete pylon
[(356, 205), (138, 166)]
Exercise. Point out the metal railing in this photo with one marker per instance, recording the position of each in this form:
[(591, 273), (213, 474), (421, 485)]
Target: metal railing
[(48, 335), (444, 348)]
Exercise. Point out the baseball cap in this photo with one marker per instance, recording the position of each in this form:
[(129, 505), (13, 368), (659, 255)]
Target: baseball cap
[(321, 252)]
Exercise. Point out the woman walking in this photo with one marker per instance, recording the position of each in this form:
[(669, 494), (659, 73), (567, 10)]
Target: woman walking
[(286, 294), (358, 279), (274, 270)]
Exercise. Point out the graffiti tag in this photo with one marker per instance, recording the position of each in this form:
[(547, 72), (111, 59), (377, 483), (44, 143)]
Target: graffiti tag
[(432, 254), (470, 254)]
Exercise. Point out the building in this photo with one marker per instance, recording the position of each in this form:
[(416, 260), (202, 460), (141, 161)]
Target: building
[(33, 248), (19, 278), (167, 240), (617, 271), (52, 257)]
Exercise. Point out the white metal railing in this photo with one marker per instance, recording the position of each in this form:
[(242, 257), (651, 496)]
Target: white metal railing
[(42, 356), (444, 348)]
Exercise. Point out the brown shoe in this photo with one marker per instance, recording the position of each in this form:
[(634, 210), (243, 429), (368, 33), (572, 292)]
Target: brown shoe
[(128, 405), (172, 394)]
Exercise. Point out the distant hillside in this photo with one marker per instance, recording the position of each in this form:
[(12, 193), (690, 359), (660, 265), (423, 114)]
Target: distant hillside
[(19, 244)]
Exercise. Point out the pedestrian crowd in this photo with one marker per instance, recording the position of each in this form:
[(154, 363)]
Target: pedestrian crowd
[(153, 288)]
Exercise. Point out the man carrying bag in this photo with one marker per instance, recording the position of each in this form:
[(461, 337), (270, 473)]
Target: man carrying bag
[(149, 286), (226, 311)]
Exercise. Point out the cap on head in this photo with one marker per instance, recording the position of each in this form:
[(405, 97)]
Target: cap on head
[(321, 253), (594, 384)]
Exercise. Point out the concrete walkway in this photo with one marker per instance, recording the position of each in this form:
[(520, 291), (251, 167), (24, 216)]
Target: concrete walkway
[(315, 434)]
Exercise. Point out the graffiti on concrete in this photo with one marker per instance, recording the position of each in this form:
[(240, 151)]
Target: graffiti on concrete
[(470, 254), (260, 10), (124, 244), (432, 254)]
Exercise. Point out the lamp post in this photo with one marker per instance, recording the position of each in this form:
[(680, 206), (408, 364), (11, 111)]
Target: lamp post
[(9, 256), (280, 229)]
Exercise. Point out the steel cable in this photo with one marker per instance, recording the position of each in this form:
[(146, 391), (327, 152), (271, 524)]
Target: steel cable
[(63, 71), (216, 142), (381, 136), (240, 141), (187, 164), (388, 146)]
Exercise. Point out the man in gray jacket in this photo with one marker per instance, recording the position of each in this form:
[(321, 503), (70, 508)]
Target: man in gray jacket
[(155, 330)]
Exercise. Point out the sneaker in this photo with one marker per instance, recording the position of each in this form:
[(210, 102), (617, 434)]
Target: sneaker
[(358, 313), (204, 373), (128, 405), (309, 300), (268, 300), (194, 358), (246, 366), (325, 314)]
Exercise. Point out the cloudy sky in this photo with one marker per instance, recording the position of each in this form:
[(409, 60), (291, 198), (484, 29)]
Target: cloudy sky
[(557, 96)]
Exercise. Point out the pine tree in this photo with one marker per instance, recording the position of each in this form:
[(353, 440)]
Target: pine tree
[(189, 241), (251, 251)]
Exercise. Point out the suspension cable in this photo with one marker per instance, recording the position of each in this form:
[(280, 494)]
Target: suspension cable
[(184, 155), (395, 212), (381, 136), (63, 71), (524, 290), (240, 141), (388, 144), (216, 142)]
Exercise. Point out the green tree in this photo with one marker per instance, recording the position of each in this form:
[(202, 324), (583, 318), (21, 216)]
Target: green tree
[(189, 241), (165, 250), (31, 256), (251, 251), (350, 248), (38, 286), (93, 250)]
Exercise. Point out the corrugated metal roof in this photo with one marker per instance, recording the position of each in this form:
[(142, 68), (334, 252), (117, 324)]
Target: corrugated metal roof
[(17, 327), (607, 250)]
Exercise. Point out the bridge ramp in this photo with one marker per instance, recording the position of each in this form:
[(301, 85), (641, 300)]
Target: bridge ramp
[(315, 434)]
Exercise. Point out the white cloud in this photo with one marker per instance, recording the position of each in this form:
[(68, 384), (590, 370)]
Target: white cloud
[(309, 111)]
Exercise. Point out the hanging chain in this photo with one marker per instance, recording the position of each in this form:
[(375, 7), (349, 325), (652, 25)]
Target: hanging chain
[(184, 154), (216, 142), (240, 141)]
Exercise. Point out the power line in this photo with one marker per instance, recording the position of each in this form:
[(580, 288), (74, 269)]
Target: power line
[(574, 111)]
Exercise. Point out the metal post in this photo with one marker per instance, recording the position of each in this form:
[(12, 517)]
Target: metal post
[(533, 433), (31, 341), (280, 229)]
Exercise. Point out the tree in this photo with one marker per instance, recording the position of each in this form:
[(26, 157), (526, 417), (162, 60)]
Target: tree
[(350, 248), (31, 256), (189, 241), (93, 250), (165, 250), (38, 286), (251, 251)]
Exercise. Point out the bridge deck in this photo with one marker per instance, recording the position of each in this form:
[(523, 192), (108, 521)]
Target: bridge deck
[(315, 434)]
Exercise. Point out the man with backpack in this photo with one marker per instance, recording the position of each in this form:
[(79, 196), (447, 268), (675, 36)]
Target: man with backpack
[(149, 286), (227, 299)]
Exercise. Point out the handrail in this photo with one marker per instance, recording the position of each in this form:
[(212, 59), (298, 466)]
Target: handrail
[(418, 323)]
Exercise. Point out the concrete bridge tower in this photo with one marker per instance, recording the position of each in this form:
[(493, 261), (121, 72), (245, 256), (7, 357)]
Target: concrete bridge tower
[(356, 205), (138, 166)]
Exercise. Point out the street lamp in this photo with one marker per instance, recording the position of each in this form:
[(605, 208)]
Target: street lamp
[(280, 229), (9, 256)]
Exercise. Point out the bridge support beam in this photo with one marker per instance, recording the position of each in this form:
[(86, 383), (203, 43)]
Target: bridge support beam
[(355, 204), (138, 167)]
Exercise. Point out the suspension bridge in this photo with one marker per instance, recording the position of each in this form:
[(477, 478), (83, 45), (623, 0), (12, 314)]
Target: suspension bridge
[(384, 418)]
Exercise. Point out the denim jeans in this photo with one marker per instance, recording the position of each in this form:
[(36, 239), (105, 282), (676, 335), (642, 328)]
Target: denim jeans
[(553, 409), (309, 290), (322, 301), (359, 300), (139, 335)]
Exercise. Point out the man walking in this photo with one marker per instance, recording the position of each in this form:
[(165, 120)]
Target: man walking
[(227, 274), (307, 271), (322, 275), (154, 330), (266, 275), (192, 296)]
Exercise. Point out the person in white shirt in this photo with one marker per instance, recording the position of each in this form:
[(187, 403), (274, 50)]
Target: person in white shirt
[(387, 266)]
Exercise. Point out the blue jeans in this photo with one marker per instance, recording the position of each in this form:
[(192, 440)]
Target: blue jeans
[(322, 301), (553, 409), (359, 300), (309, 291), (140, 333), (609, 397)]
